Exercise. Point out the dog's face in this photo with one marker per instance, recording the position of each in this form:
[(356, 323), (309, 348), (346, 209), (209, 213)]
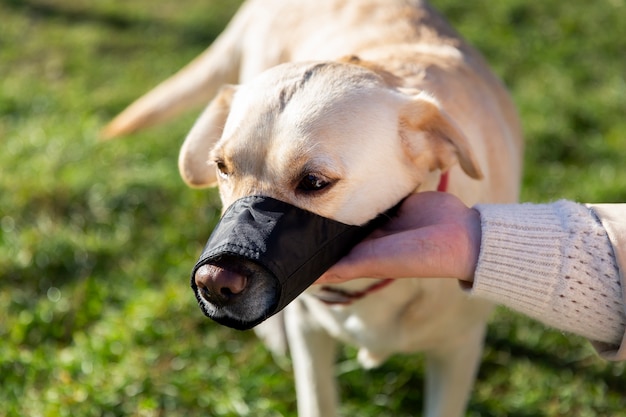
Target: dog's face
[(335, 139), (338, 139)]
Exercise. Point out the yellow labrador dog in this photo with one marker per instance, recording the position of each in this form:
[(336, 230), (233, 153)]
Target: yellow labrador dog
[(343, 108)]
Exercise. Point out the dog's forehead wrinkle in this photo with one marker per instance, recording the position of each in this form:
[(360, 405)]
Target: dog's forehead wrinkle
[(333, 79), (290, 88)]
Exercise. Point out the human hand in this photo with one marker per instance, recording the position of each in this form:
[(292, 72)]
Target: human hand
[(434, 235)]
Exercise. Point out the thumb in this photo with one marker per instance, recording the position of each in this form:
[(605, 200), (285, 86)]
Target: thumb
[(362, 261)]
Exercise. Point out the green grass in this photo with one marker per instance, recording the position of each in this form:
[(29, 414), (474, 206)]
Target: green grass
[(97, 239)]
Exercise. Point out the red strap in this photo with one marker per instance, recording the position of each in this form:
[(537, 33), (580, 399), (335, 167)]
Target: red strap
[(443, 182), (333, 295)]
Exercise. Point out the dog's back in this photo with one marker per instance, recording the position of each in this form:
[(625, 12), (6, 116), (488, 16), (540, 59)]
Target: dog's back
[(265, 33)]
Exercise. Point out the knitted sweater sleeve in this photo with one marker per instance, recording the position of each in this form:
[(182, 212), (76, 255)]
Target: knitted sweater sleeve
[(554, 263)]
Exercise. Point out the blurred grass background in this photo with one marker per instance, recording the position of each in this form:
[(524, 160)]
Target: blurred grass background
[(97, 239)]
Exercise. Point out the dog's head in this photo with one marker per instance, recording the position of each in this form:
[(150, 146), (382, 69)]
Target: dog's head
[(339, 139)]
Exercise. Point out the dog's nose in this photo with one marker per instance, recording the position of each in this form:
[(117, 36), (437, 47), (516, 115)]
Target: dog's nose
[(218, 285)]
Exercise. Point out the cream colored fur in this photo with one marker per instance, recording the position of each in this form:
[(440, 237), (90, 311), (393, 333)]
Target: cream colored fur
[(376, 98)]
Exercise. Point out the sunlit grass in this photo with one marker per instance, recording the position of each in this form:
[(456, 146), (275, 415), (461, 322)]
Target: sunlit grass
[(97, 239)]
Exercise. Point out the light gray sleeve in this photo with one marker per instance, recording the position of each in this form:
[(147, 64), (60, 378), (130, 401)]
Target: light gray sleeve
[(552, 262)]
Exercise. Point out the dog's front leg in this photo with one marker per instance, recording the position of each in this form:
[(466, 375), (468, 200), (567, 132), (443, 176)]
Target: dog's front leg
[(450, 375), (313, 355)]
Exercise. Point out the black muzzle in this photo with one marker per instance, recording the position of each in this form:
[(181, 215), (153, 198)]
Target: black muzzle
[(263, 253)]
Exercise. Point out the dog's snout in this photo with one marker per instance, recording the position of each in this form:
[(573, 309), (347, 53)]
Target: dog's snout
[(217, 285)]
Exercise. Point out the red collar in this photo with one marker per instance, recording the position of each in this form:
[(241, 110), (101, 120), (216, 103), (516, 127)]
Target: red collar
[(443, 182), (334, 295)]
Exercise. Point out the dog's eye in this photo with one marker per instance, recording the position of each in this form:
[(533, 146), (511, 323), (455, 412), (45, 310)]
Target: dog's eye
[(222, 169), (312, 182)]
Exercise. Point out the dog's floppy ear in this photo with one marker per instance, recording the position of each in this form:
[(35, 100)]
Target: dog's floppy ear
[(430, 133), (193, 161)]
